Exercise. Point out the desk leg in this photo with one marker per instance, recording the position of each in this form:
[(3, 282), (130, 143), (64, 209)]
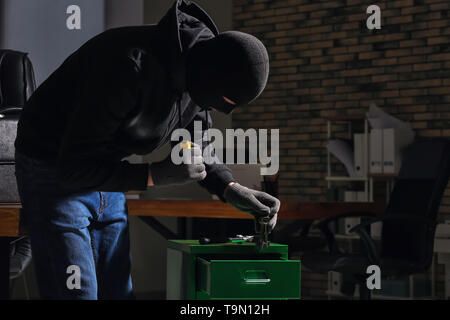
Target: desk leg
[(181, 226), (4, 268), (159, 227)]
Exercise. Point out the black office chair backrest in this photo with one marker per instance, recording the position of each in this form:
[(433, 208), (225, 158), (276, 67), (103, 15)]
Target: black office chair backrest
[(418, 191), (17, 81), (16, 86)]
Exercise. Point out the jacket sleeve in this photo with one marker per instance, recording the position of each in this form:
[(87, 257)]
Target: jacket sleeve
[(85, 160), (218, 175)]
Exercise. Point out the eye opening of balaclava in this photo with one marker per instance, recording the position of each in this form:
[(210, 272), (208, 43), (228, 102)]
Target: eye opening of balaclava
[(233, 65)]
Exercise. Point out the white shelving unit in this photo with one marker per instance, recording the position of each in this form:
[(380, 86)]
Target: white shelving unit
[(366, 179), (369, 178)]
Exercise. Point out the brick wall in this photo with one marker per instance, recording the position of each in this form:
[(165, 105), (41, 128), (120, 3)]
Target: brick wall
[(324, 62)]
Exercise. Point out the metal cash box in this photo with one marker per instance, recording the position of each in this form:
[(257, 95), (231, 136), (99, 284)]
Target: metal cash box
[(230, 271)]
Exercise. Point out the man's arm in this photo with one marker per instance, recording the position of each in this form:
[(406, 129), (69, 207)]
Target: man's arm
[(218, 175), (220, 181), (86, 160)]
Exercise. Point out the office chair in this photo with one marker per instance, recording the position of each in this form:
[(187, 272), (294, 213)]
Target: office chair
[(17, 83), (409, 223)]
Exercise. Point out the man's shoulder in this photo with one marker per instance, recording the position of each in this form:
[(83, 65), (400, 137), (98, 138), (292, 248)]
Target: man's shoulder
[(139, 29), (116, 50), (116, 41), (128, 34)]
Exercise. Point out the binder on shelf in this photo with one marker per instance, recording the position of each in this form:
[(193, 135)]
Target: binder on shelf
[(389, 152), (360, 155), (376, 151), (376, 229), (394, 143), (361, 196), (335, 281), (350, 196)]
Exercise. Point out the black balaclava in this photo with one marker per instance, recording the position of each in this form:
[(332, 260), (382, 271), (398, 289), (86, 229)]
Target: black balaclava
[(233, 64)]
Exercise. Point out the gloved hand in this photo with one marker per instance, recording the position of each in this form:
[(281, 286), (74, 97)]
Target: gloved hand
[(168, 173), (257, 203)]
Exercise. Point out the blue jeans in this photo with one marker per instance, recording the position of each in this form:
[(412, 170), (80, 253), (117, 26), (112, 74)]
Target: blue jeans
[(80, 240)]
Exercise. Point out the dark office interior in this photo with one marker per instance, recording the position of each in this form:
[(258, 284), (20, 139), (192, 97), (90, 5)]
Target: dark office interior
[(364, 151)]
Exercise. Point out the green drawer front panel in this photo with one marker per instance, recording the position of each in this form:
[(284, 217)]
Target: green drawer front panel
[(248, 279)]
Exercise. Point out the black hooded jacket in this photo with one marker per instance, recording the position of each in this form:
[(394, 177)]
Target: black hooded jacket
[(123, 92)]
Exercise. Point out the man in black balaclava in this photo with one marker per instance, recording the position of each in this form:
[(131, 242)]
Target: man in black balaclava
[(124, 92), (233, 65)]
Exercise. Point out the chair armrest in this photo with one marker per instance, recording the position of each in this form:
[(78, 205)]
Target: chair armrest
[(329, 236), (368, 242), (369, 245), (323, 226), (328, 220), (407, 218)]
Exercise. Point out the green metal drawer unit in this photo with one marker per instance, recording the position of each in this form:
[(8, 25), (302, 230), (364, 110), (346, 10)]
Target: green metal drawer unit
[(234, 270)]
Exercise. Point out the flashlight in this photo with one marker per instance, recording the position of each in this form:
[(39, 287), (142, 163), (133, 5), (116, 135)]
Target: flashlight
[(186, 145)]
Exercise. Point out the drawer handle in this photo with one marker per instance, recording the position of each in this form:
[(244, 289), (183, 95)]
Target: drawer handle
[(257, 280), (256, 276)]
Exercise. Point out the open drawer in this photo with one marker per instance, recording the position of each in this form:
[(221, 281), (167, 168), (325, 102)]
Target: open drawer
[(247, 279)]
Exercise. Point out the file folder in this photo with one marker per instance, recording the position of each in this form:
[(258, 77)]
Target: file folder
[(361, 196), (360, 155), (335, 281), (376, 151), (394, 144)]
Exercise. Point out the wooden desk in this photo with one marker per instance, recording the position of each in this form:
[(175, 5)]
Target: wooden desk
[(10, 217), (10, 225)]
